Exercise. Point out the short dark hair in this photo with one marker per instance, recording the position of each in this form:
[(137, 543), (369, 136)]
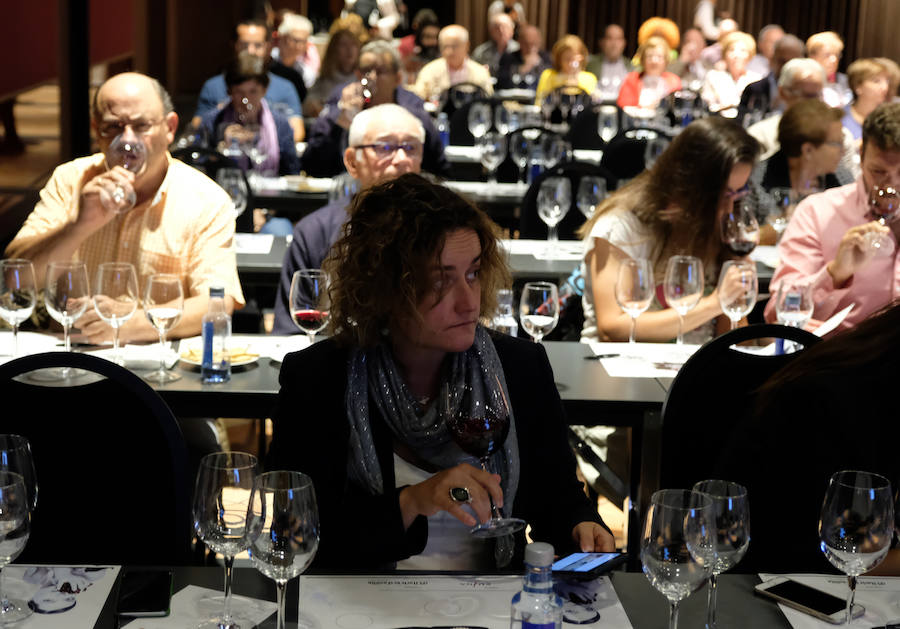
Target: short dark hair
[(806, 121), (381, 267), (882, 127), (246, 66), (253, 22)]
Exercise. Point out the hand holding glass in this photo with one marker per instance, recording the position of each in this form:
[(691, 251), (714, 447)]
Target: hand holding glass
[(163, 305), (18, 294), (539, 309), (683, 287), (737, 289), (130, 154), (884, 201), (116, 298), (634, 289)]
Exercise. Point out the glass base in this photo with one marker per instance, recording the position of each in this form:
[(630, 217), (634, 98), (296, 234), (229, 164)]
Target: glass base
[(243, 609), (56, 374), (162, 377), (15, 610), (498, 527)]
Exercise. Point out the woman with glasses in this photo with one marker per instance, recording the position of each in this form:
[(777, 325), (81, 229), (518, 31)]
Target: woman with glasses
[(673, 209)]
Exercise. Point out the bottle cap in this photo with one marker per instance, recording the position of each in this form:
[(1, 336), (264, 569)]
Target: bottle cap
[(216, 290), (539, 554)]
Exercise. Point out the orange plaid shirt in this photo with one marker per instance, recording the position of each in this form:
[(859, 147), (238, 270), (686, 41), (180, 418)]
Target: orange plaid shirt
[(186, 230)]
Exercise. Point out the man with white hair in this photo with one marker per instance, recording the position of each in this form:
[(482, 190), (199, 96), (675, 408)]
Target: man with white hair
[(384, 142), (453, 67), (295, 51), (761, 63), (500, 31)]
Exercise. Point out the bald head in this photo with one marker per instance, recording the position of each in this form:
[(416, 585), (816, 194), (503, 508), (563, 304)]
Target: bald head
[(453, 41), (132, 84)]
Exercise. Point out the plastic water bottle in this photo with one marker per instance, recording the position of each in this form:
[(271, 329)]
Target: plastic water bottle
[(504, 321), (216, 325), (537, 606), (443, 128)]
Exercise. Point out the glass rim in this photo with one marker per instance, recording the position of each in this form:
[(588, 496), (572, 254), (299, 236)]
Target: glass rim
[(112, 265), (211, 460), (163, 276), (741, 491), (299, 480), (658, 499), (540, 284), (838, 478), (16, 262), (20, 440), (71, 264), (309, 273)]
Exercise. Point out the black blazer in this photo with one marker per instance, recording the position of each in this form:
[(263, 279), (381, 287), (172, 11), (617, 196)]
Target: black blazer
[(360, 531), (760, 91)]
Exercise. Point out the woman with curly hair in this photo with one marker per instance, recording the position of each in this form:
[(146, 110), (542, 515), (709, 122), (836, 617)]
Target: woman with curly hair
[(365, 412)]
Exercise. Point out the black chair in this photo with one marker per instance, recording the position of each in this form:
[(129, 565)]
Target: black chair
[(210, 161), (569, 97), (711, 394), (624, 155), (458, 95), (459, 122), (531, 225), (111, 464)]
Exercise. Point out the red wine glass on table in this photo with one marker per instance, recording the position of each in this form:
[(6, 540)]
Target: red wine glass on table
[(309, 301), (740, 229), (479, 425)]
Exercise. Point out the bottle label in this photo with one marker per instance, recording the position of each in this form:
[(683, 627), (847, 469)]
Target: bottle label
[(543, 625), (208, 333)]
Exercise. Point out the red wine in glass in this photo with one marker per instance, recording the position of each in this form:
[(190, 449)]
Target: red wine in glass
[(309, 306), (310, 321)]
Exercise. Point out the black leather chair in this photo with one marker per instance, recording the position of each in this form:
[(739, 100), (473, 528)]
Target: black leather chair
[(458, 95), (624, 155), (711, 394), (111, 464)]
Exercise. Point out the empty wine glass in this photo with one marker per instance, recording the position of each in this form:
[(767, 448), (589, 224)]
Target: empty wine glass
[(548, 105), (479, 425), (492, 152), (785, 201), (553, 202), (163, 305), (740, 229), (220, 512), (502, 119), (18, 294), (683, 287), (16, 457), (309, 300), (539, 309), (794, 303), (884, 202), (283, 510), (634, 289), (607, 122), (591, 192), (555, 150), (15, 521), (677, 544), (520, 149), (479, 119), (232, 181), (683, 106), (732, 532), (68, 295), (130, 154), (656, 146), (737, 289), (116, 298), (856, 525)]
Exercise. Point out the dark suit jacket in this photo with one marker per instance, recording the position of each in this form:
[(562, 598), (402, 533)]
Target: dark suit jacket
[(758, 90), (361, 531)]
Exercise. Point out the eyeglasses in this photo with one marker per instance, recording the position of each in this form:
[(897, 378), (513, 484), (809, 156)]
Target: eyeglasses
[(386, 149), (740, 193), (139, 127), (376, 70)]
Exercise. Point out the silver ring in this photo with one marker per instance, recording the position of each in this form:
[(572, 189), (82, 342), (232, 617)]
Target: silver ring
[(460, 494)]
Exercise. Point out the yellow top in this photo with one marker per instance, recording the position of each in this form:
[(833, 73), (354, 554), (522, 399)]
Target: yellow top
[(551, 79)]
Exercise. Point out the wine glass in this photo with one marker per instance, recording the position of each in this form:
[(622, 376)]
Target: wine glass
[(677, 544), (856, 525), (232, 181), (17, 295), (15, 520), (520, 149), (553, 202), (683, 106), (503, 120), (591, 191), (131, 155), (68, 294), (785, 202), (283, 510), (539, 309), (740, 230), (683, 287), (492, 152), (732, 532), (555, 150), (479, 424), (163, 305), (634, 289), (221, 510), (737, 289), (607, 123), (479, 120), (309, 300), (16, 457), (883, 204), (794, 303), (656, 146), (116, 298)]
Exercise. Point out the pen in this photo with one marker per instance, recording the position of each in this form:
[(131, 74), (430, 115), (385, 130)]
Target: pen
[(599, 356)]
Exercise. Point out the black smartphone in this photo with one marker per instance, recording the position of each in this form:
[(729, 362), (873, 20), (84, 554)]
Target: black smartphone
[(145, 593), (808, 599), (587, 565)]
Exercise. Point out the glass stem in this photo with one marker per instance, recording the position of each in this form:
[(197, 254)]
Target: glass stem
[(852, 596), (680, 339), (229, 570), (66, 340), (4, 602), (162, 352), (631, 335), (15, 340), (734, 324), (552, 234), (673, 615), (711, 603), (116, 356), (495, 512), (280, 586)]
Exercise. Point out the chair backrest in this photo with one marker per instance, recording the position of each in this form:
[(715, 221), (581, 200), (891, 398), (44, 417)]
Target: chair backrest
[(568, 99), (459, 122), (111, 464), (624, 155), (531, 225), (209, 161), (458, 95), (711, 394)]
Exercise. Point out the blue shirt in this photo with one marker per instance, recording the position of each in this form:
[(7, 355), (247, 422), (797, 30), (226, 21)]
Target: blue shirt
[(281, 96)]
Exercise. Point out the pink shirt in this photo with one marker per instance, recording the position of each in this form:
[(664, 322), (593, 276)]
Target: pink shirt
[(811, 241)]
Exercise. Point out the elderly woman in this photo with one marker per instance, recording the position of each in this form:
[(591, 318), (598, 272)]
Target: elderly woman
[(365, 413), (645, 88), (569, 60), (826, 48), (873, 81), (722, 88)]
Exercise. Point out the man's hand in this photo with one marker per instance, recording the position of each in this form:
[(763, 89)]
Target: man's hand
[(350, 104), (854, 251), (593, 538), (104, 196)]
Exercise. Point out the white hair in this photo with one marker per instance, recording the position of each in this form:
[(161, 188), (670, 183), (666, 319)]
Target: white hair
[(801, 66), (391, 113), (293, 22), (455, 31)]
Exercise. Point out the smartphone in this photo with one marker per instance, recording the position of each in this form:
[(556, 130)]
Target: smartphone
[(145, 593), (810, 600), (587, 565)]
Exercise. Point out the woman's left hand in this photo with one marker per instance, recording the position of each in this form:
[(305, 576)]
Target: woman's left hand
[(593, 538)]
